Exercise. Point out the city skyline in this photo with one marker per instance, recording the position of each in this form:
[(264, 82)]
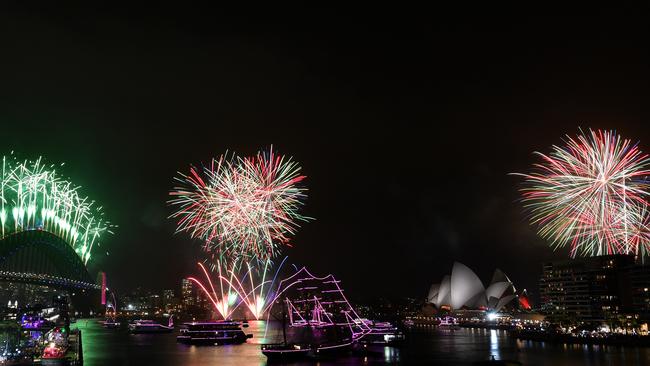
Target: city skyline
[(412, 198)]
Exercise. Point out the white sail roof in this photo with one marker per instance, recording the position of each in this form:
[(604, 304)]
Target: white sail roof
[(499, 276), (465, 285), (504, 301), (444, 292), (497, 289), (433, 293), (464, 289)]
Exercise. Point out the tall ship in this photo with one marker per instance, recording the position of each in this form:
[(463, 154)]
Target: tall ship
[(111, 321), (212, 333), (312, 318), (150, 326)]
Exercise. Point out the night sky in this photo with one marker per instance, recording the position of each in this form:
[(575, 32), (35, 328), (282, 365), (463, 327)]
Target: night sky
[(406, 122)]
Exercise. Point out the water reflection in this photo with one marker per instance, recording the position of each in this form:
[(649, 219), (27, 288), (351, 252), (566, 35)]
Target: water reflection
[(494, 345), (391, 355), (453, 347)]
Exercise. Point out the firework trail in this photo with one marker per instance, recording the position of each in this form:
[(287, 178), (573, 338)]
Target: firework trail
[(34, 197), (242, 208), (224, 300), (243, 285), (591, 194), (255, 291)]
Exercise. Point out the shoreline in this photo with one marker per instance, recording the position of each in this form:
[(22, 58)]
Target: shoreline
[(612, 340), (537, 336)]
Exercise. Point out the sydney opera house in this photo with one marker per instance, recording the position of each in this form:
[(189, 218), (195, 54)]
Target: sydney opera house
[(464, 290)]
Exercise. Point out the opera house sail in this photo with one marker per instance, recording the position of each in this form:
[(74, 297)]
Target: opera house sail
[(463, 289)]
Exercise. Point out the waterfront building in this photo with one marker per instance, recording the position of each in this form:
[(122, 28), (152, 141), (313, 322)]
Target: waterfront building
[(600, 289), (639, 277), (28, 295)]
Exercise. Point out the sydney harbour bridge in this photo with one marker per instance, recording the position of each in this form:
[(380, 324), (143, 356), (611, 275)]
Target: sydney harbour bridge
[(48, 231), (42, 258)]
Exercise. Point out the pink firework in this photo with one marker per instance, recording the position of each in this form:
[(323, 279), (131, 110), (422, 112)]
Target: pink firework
[(243, 208), (243, 285), (591, 194)]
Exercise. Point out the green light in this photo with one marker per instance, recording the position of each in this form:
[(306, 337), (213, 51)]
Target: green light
[(232, 298), (31, 210), (30, 187)]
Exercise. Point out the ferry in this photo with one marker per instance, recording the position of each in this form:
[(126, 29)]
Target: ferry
[(149, 326), (382, 333), (213, 333), (110, 323), (449, 322)]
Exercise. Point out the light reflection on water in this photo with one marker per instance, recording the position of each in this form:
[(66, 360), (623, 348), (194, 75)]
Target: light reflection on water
[(494, 345), (391, 354), (455, 347)]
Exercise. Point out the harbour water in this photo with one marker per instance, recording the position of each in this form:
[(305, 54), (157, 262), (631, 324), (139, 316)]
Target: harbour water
[(423, 346)]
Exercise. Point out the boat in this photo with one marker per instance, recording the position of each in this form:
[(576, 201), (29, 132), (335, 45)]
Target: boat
[(317, 321), (57, 347), (149, 326), (110, 323), (34, 322), (282, 352), (381, 333), (54, 352), (318, 337), (448, 322), (212, 333)]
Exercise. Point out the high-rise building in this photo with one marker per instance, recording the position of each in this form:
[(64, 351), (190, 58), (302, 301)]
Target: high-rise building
[(168, 295), (154, 302), (201, 301), (595, 289), (168, 300), (639, 278), (187, 293)]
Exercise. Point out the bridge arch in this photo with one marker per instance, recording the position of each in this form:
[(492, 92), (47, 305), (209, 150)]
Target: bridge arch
[(40, 257)]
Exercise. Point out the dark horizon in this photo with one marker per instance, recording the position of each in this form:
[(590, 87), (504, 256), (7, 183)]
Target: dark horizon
[(406, 126)]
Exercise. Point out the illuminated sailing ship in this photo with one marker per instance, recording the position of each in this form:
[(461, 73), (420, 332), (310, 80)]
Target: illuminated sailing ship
[(317, 320)]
